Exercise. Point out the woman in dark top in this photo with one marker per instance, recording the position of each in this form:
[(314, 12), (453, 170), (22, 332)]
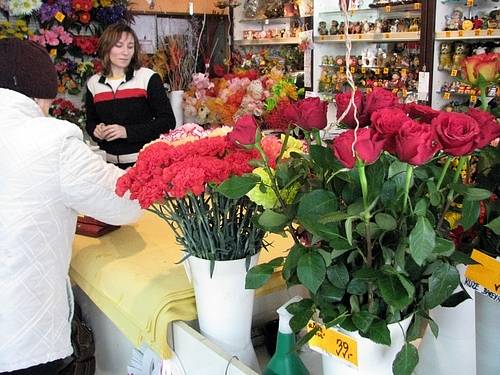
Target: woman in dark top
[(127, 106)]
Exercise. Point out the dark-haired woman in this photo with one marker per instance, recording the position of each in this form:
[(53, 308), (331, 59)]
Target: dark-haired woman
[(127, 106)]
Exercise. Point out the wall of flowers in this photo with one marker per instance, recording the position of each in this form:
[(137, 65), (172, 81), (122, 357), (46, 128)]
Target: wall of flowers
[(70, 31)]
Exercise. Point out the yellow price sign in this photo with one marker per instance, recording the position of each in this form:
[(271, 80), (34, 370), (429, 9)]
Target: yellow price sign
[(405, 93), (477, 32), (363, 70), (387, 35), (386, 70), (333, 343), (486, 273), (59, 16), (470, 3), (53, 52), (353, 69), (377, 71), (388, 8), (342, 69), (489, 32), (403, 71), (454, 73), (395, 91), (447, 34), (446, 95), (322, 37), (341, 36), (417, 6), (473, 98), (460, 33), (360, 36)]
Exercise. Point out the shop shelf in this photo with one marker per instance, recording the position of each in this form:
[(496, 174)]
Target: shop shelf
[(371, 37), (468, 34), (269, 41)]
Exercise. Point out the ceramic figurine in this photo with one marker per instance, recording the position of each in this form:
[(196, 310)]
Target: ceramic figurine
[(342, 28), (445, 57), (454, 22), (477, 23), (378, 26), (371, 58), (459, 55), (322, 30), (415, 26), (366, 27), (467, 25), (334, 27)]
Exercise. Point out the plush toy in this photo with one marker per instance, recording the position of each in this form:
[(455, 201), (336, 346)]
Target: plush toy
[(445, 57), (459, 55)]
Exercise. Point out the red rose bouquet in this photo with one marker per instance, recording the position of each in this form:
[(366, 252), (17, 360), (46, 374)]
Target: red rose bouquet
[(367, 213)]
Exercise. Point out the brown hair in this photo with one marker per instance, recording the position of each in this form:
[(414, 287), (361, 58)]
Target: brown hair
[(109, 38)]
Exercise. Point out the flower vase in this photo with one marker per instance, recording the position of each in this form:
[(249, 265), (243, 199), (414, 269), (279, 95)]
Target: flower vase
[(373, 359), (176, 103), (487, 335), (224, 306), (453, 351)]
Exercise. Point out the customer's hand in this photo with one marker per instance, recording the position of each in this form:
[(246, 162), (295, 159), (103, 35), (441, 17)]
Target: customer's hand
[(99, 131), (114, 131)]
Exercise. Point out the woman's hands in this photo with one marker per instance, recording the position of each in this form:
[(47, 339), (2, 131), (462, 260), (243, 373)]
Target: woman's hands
[(110, 132)]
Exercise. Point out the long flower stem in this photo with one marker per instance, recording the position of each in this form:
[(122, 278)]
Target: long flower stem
[(443, 172), (484, 100), (363, 182), (409, 174)]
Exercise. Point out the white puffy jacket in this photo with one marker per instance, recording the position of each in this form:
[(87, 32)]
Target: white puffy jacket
[(47, 176)]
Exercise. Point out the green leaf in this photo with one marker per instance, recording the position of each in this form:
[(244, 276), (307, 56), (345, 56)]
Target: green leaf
[(406, 360), (422, 240), (385, 221), (259, 275), (397, 168), (338, 275), (379, 333), (415, 330), (316, 204), (388, 192), (470, 213), (357, 287), (322, 156), (367, 273), (361, 229), (393, 292), (327, 256), (331, 293), (305, 304), (311, 270), (237, 186), (333, 217), (444, 247), (494, 225), (362, 320), (292, 260), (300, 320), (273, 221), (409, 287), (477, 194), (456, 299), (348, 230), (421, 207), (442, 283), (339, 244)]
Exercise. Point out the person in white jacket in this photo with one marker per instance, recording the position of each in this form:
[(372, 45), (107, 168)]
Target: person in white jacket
[(48, 175)]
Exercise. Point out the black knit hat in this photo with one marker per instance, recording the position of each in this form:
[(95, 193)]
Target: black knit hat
[(26, 67)]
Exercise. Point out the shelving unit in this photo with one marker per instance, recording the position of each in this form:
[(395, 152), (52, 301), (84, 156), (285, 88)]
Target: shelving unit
[(487, 38), (266, 41), (388, 19)]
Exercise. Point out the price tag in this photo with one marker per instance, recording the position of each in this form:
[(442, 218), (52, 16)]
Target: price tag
[(403, 71), (360, 36), (470, 3), (489, 32), (473, 98), (460, 33), (363, 70), (454, 73), (377, 71), (386, 70), (53, 52), (395, 91), (405, 93), (447, 34), (59, 16), (353, 69), (322, 37), (387, 35), (446, 95), (417, 6), (486, 273), (341, 36), (334, 343), (341, 69), (477, 32), (388, 8)]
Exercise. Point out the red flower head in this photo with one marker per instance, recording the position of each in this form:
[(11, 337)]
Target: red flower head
[(457, 133), (490, 129), (243, 131), (380, 98), (312, 113), (368, 147), (416, 143), (342, 101), (387, 122), (421, 112), (84, 17)]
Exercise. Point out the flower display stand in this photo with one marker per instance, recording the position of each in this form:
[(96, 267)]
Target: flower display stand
[(224, 306), (373, 359)]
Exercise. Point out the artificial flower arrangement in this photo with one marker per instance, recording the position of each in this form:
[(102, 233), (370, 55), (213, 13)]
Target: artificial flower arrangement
[(18, 29), (65, 110), (367, 213), (223, 100)]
